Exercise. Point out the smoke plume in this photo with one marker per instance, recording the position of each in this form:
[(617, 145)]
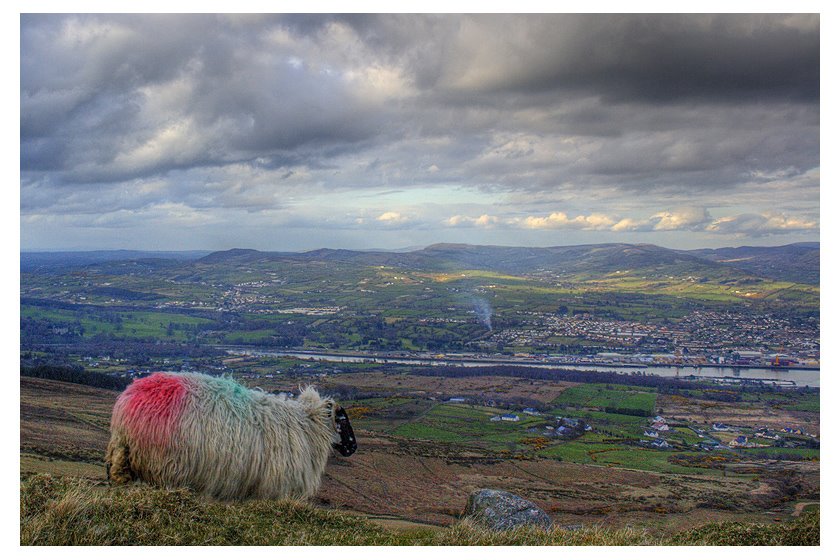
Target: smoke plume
[(483, 311)]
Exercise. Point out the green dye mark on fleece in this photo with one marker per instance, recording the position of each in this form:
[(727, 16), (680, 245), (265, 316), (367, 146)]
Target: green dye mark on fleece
[(227, 392)]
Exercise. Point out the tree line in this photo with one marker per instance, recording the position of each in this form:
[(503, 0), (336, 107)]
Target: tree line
[(78, 375), (666, 385)]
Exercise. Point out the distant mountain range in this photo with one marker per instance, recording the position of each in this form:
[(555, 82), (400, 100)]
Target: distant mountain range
[(30, 261), (799, 262)]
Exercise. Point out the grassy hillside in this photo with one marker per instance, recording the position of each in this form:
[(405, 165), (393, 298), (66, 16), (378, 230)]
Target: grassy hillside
[(798, 262), (69, 511)]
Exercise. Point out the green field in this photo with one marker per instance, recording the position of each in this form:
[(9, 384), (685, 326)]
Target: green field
[(603, 397), (778, 452), (586, 451), (465, 424), (612, 441), (118, 324)]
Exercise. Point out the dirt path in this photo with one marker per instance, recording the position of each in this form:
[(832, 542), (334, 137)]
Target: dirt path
[(800, 507)]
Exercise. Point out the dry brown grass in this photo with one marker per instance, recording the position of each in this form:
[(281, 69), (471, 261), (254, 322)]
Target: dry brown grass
[(64, 420), (64, 511)]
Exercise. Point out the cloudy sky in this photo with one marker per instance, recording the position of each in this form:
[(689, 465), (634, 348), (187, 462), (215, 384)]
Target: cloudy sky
[(303, 131)]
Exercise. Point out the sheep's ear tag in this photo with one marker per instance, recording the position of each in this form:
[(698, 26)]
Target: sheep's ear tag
[(347, 445)]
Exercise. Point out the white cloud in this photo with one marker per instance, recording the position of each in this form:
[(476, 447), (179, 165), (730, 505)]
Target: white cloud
[(629, 224), (485, 220), (559, 220), (680, 219), (757, 225), (392, 218)]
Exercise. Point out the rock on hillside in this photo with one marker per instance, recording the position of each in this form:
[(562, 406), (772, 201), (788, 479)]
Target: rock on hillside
[(499, 510)]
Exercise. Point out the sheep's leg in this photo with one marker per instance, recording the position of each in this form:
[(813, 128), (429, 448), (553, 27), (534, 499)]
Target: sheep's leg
[(116, 462)]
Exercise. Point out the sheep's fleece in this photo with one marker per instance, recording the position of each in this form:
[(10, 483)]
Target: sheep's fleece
[(222, 439)]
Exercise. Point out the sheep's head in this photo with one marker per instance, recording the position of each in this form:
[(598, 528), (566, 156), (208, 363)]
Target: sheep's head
[(344, 441), (347, 444)]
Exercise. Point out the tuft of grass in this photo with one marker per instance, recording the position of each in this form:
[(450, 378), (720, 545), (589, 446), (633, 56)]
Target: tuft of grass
[(71, 511), (65, 511), (805, 531), (468, 533)]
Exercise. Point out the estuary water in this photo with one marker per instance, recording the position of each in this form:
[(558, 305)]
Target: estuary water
[(786, 377)]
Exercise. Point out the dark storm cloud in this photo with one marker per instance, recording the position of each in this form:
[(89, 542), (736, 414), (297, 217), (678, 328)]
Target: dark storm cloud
[(625, 57), (601, 112), (667, 57)]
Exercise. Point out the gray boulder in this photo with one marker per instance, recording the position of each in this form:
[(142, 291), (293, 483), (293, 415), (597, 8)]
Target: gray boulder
[(499, 510)]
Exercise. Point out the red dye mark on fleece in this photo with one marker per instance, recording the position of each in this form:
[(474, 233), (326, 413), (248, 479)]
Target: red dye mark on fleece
[(152, 407)]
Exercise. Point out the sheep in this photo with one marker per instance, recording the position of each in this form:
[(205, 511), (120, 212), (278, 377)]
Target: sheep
[(222, 439)]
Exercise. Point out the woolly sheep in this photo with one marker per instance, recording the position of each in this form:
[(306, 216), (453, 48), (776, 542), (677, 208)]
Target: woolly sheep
[(223, 440)]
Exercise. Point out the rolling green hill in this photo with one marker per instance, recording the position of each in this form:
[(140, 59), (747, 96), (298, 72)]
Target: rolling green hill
[(588, 259), (798, 262)]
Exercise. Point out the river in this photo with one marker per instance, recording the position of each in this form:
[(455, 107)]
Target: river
[(798, 377)]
